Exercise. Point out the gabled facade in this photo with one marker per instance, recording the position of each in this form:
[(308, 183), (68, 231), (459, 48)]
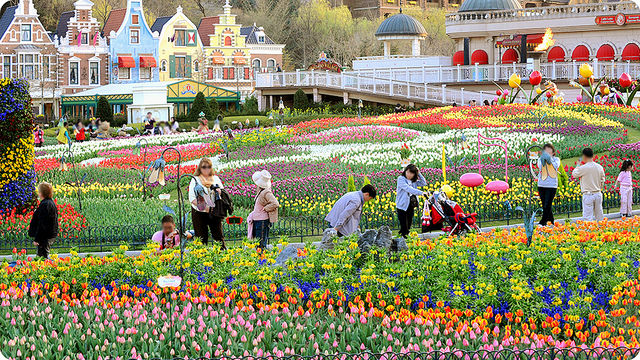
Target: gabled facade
[(133, 48), (27, 51), (266, 55), (180, 48), (83, 52)]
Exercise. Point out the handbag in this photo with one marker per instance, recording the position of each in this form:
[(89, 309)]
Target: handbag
[(413, 202)]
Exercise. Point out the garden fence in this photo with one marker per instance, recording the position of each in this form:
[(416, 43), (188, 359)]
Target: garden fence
[(100, 238), (575, 353)]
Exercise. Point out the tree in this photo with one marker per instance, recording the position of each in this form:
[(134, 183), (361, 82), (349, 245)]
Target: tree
[(300, 100), (104, 110), (102, 8), (199, 106), (250, 106), (351, 184), (215, 108)]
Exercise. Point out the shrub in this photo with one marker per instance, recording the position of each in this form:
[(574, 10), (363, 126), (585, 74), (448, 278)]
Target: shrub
[(119, 120), (199, 105), (351, 184), (104, 110), (250, 106), (300, 100), (215, 109)]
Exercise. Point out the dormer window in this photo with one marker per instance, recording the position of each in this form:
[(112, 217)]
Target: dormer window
[(261, 39), (134, 19), (25, 33)]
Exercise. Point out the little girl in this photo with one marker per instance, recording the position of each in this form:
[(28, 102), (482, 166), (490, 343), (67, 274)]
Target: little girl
[(626, 191)]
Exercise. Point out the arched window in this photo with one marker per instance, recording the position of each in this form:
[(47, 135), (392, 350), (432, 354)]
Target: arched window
[(163, 65), (196, 66), (271, 65), (227, 41), (257, 64)]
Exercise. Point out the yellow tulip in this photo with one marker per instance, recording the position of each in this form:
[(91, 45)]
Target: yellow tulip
[(538, 91), (586, 71), (514, 81)]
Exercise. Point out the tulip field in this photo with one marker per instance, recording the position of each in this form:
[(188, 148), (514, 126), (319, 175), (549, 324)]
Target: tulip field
[(575, 287)]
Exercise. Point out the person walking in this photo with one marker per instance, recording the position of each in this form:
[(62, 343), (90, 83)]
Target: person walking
[(265, 209), (80, 132), (63, 134), (44, 223), (407, 197), (626, 189), (201, 218), (38, 136), (591, 177), (346, 213), (548, 164)]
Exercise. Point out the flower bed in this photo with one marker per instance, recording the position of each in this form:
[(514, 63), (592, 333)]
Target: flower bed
[(575, 286)]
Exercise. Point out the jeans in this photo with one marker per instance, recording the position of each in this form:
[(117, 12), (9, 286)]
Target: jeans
[(546, 196), (43, 247), (261, 231), (203, 223), (626, 200), (592, 206), (405, 218)]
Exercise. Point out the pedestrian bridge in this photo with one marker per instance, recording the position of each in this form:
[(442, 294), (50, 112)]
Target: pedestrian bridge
[(353, 86)]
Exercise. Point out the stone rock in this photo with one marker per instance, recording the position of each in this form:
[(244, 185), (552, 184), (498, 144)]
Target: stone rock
[(289, 252), (381, 238), (399, 244), (327, 239), (384, 238)]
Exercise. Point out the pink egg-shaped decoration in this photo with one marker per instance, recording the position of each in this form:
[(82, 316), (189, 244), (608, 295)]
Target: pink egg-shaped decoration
[(471, 180), (498, 186)]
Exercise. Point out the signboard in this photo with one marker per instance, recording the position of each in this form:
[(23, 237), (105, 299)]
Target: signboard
[(324, 63), (169, 281), (619, 19)]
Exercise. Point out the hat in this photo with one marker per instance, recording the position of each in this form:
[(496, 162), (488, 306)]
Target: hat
[(262, 179)]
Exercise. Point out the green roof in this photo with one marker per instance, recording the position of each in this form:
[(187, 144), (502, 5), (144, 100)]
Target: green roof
[(401, 24), (489, 5)]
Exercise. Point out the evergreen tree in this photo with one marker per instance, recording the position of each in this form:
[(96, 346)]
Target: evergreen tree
[(366, 181), (300, 100), (199, 105), (351, 184), (104, 110), (215, 109)]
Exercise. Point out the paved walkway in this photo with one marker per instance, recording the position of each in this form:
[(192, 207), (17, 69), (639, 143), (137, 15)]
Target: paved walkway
[(431, 235)]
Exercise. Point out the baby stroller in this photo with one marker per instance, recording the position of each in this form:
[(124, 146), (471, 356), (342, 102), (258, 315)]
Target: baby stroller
[(440, 213)]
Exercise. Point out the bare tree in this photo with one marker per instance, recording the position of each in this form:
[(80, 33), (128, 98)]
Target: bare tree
[(102, 8)]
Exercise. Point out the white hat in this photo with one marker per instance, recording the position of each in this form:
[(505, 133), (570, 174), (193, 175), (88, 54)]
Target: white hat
[(262, 179)]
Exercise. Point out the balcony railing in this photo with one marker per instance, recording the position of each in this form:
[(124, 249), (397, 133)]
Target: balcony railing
[(542, 13)]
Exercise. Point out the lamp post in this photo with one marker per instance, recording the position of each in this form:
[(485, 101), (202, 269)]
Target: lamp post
[(142, 172), (63, 166)]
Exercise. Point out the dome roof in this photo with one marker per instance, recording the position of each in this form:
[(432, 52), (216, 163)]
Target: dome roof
[(489, 5), (400, 24)]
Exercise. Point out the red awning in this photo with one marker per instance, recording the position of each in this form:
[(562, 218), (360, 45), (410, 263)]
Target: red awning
[(147, 61), (239, 60), (516, 41), (631, 52), (479, 57), (534, 39), (556, 53), (605, 53), (510, 56), (126, 62), (458, 58), (580, 53)]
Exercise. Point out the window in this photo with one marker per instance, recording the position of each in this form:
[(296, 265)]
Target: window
[(124, 73), (74, 69), (180, 38), (181, 65), (84, 39), (6, 67), (135, 36), (228, 73), (94, 73), (271, 65), (25, 34), (145, 73), (257, 64), (29, 66), (196, 66), (227, 41), (163, 65), (46, 68), (260, 39), (134, 19)]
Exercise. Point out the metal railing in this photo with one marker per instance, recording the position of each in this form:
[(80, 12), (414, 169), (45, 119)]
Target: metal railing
[(100, 238), (574, 353), (388, 87)]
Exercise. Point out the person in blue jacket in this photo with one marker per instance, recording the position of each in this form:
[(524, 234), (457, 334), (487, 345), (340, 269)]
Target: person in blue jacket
[(407, 194)]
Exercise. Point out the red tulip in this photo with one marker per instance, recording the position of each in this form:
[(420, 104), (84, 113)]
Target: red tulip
[(535, 78), (498, 92), (625, 80), (549, 94)]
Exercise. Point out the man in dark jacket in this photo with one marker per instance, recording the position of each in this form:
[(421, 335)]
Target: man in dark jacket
[(44, 224), (223, 208)]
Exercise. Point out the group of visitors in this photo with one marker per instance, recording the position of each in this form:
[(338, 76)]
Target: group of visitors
[(95, 129), (153, 127)]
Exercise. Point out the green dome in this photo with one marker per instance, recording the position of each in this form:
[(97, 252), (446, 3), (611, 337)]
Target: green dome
[(489, 5), (401, 24)]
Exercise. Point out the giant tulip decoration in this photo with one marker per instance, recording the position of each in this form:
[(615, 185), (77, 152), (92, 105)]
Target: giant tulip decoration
[(629, 87), (514, 81), (535, 78), (587, 83), (625, 80)]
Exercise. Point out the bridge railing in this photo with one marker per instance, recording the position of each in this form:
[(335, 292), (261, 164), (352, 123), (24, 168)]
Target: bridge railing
[(375, 85)]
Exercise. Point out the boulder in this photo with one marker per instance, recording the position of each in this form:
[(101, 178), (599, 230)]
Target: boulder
[(399, 244), (289, 252), (381, 238), (327, 239)]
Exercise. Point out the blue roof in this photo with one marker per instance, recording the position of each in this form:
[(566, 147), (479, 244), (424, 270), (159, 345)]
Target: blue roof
[(63, 23), (252, 38), (6, 19), (401, 24), (489, 5), (159, 23)]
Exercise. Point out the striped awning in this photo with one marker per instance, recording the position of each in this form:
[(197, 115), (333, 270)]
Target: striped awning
[(126, 62), (147, 61)]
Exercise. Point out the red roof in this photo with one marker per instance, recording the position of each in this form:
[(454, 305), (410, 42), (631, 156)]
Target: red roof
[(115, 19), (631, 52), (206, 28)]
